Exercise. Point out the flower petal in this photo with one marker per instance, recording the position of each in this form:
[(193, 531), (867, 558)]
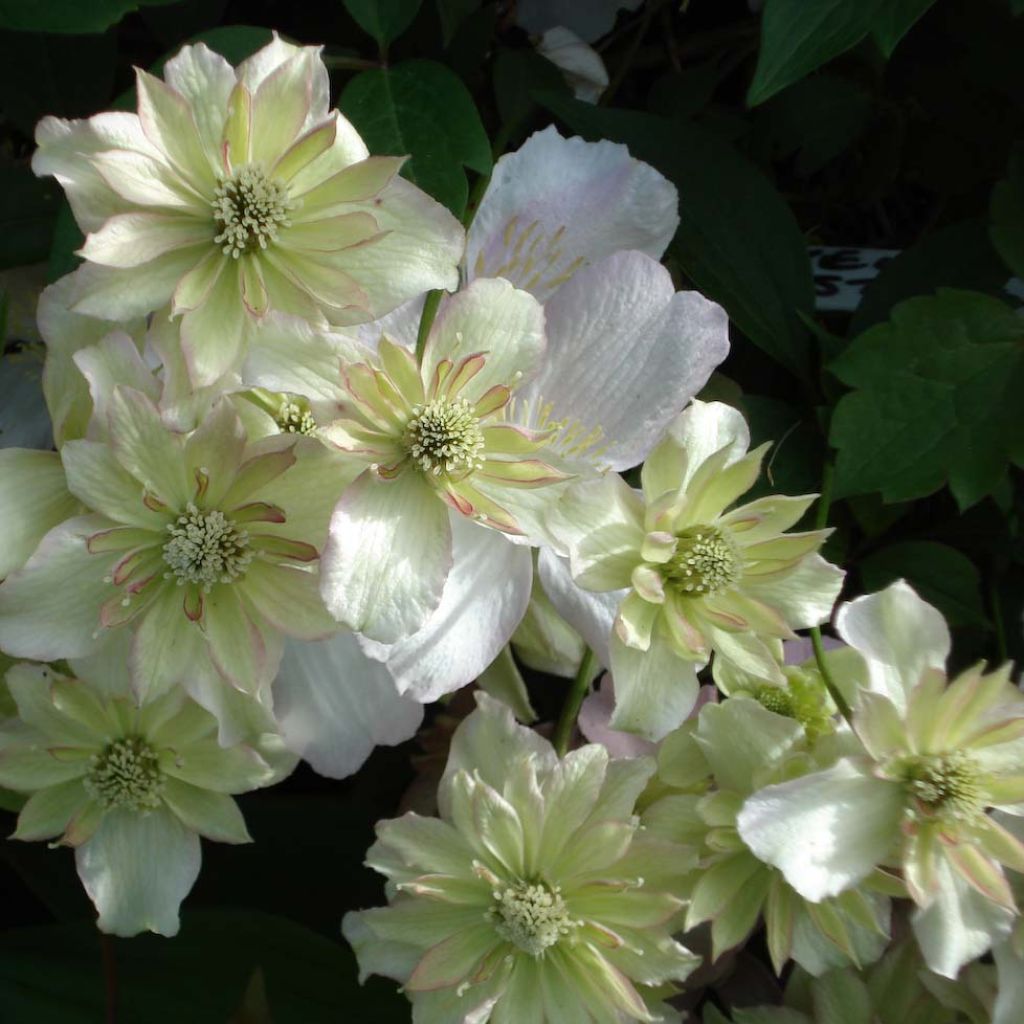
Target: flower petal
[(213, 815), (334, 705), (387, 557), (137, 869)]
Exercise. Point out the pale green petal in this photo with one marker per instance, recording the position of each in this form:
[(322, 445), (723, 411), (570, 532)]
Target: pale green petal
[(899, 636), (493, 318), (426, 845), (130, 240), (289, 599), (46, 813), (166, 646), (571, 791), (26, 768), (210, 766), (592, 508), (205, 79), (387, 556), (826, 831), (213, 334), (803, 595), (137, 869), (49, 609), (451, 961), (213, 815), (375, 955), (34, 498), (523, 999), (654, 689), (96, 477), (705, 428), (236, 644), (1009, 1005)]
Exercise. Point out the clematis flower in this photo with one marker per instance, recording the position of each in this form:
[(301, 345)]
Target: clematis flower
[(705, 770), (935, 759), (590, 20), (130, 788), (535, 893), (203, 544), (233, 192), (581, 65), (689, 574)]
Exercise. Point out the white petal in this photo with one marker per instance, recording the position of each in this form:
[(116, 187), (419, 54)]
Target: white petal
[(959, 924), (589, 20), (826, 831), (334, 705), (205, 79), (654, 689), (492, 317), (591, 615), (484, 599), (486, 743), (137, 869), (33, 499), (899, 636), (1009, 1004), (581, 65), (804, 596), (595, 715), (705, 428), (626, 352), (253, 70), (557, 204), (49, 609), (388, 553)]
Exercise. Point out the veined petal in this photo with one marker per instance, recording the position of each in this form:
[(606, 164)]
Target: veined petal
[(289, 599), (306, 149), (899, 636), (137, 869), (236, 643), (146, 181), (589, 511), (133, 239), (826, 831), (464, 634), (654, 689), (330, 234), (704, 429), (280, 106), (212, 334), (804, 594), (205, 79), (333, 705), (451, 961), (387, 556), (48, 812), (34, 498), (213, 815)]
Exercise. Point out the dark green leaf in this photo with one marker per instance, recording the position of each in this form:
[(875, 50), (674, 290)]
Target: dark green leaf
[(957, 256), (385, 20), (453, 13), (28, 209), (67, 15), (1007, 214), (421, 109), (685, 93), (1017, 6), (517, 73), (936, 400), (66, 240), (738, 241), (941, 575), (798, 36), (54, 974), (894, 19)]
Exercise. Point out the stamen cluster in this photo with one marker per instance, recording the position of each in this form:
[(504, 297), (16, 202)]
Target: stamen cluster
[(444, 436), (126, 773), (531, 916), (249, 207), (292, 418), (206, 548), (705, 561), (944, 785)]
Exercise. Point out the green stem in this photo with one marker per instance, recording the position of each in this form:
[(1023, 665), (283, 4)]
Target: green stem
[(573, 703), (430, 305)]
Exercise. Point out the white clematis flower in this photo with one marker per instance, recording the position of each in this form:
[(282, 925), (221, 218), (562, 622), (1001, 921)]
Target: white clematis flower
[(130, 788), (233, 192), (581, 65), (937, 757)]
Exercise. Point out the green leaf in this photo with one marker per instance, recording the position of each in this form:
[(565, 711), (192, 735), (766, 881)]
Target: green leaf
[(1007, 214), (840, 997), (957, 256), (894, 19), (67, 15), (385, 20), (421, 109), (28, 210), (65, 241), (936, 399), (54, 974), (452, 14), (737, 241), (1017, 6), (942, 576), (517, 75), (798, 36)]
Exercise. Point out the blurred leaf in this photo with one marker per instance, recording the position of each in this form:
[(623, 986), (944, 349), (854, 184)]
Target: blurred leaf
[(473, 41), (685, 93), (793, 464), (53, 974), (61, 75), (817, 119), (385, 20), (420, 108), (941, 574), (894, 19), (1017, 6), (737, 241), (503, 681), (798, 36), (28, 210), (67, 15), (11, 801), (517, 74), (65, 241), (255, 1008), (453, 13), (937, 388), (1007, 214), (958, 256)]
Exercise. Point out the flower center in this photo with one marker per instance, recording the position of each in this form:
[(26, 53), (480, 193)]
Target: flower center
[(294, 417), (126, 773), (531, 916), (946, 785), (445, 436), (705, 561), (249, 208), (206, 548)]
